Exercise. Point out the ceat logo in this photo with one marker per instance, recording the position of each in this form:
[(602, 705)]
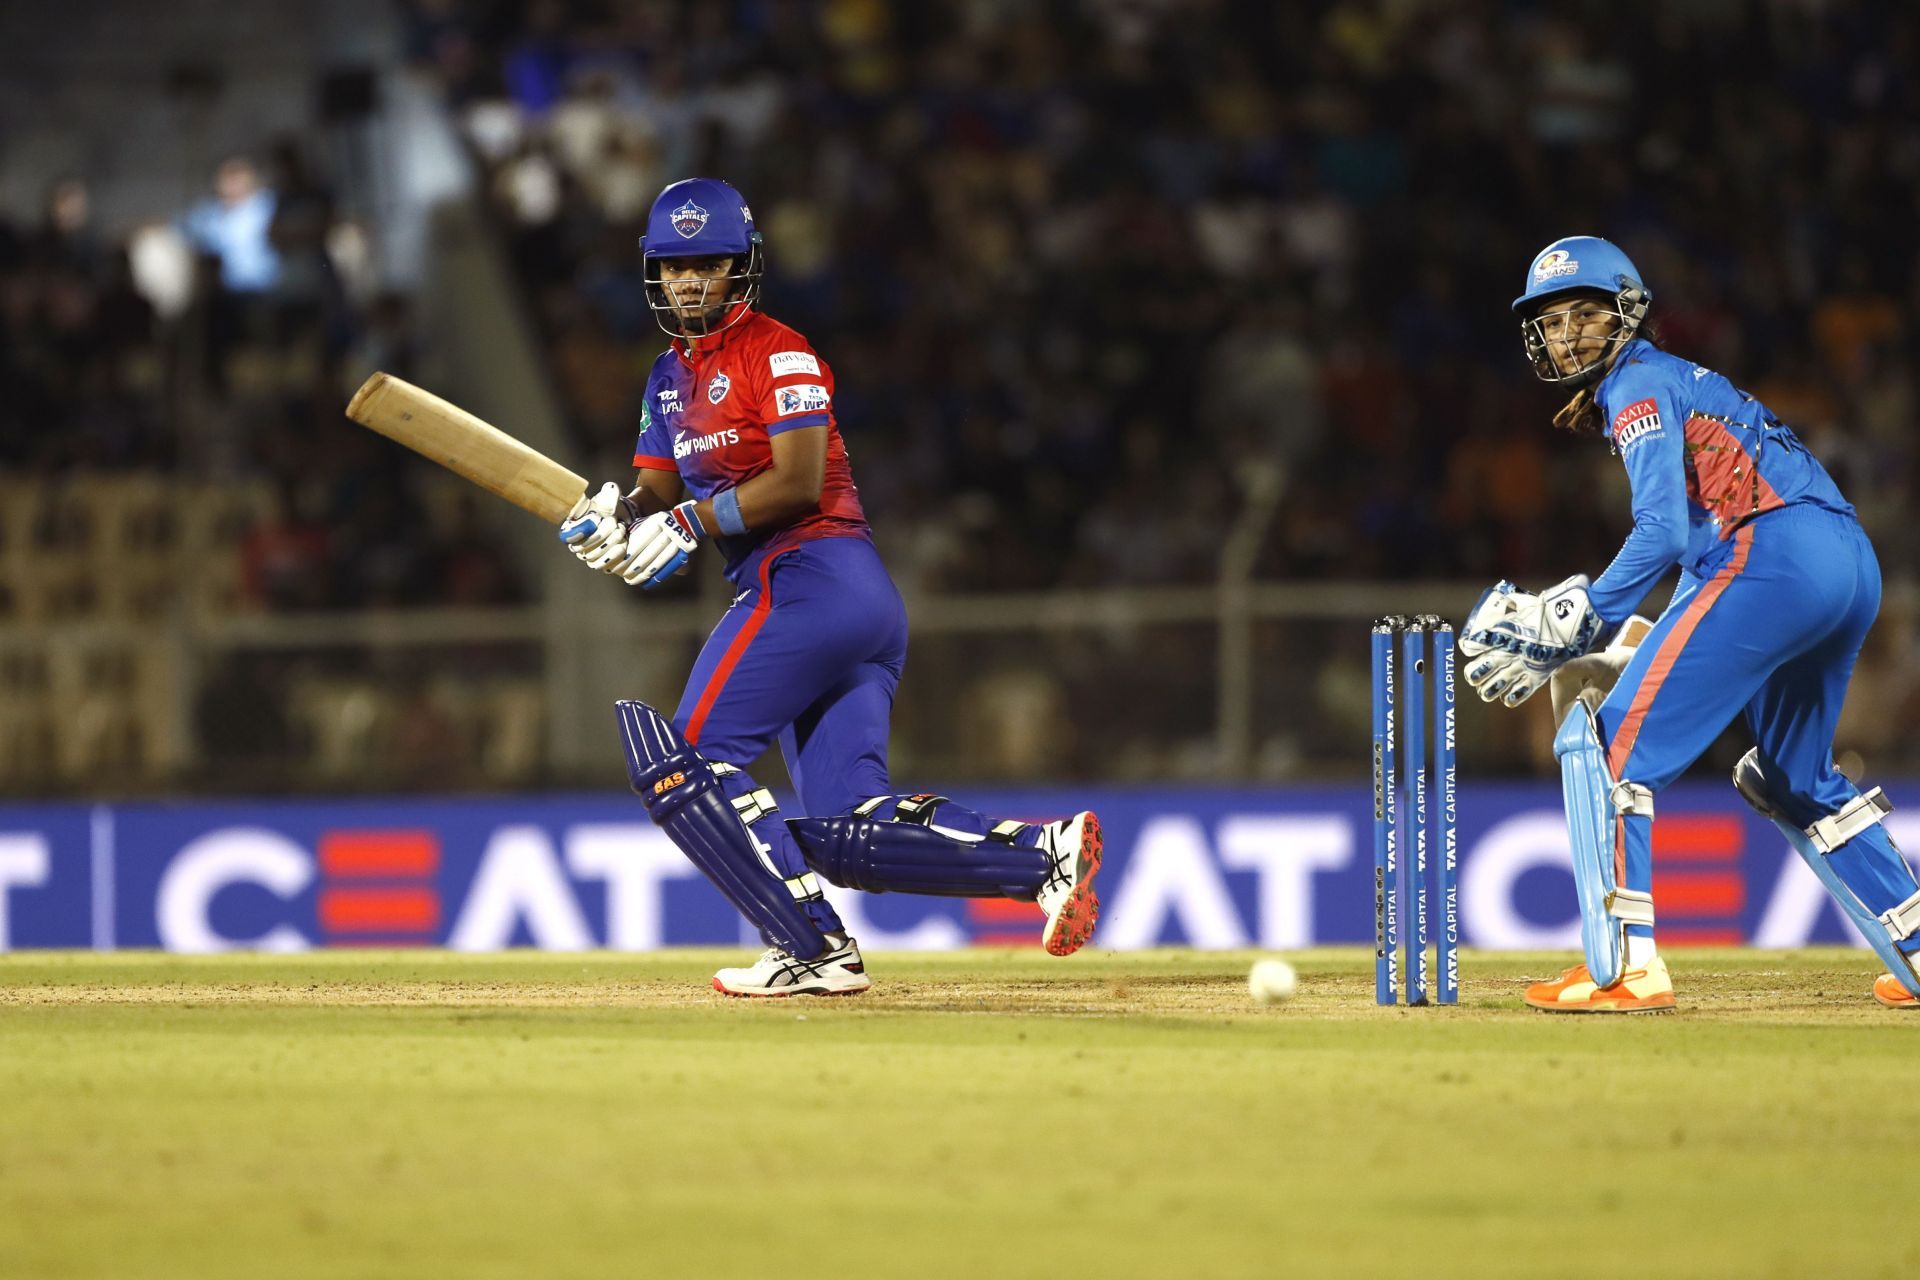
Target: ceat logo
[(260, 889), (688, 219), (1553, 263), (371, 887)]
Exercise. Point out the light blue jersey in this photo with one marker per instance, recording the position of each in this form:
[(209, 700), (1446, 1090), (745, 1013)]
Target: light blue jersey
[(1704, 458)]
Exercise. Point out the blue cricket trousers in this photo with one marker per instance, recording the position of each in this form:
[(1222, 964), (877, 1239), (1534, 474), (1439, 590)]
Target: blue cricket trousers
[(809, 653), (1772, 628)]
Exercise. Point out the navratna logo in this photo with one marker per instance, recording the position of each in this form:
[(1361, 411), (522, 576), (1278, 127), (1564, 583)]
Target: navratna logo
[(1554, 263), (688, 219)]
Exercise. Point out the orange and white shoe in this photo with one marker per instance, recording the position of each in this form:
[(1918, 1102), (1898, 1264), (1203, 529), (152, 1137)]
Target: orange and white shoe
[(1893, 993), (1643, 990), (1073, 847)]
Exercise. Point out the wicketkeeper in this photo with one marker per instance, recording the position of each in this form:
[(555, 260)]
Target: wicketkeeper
[(1778, 587)]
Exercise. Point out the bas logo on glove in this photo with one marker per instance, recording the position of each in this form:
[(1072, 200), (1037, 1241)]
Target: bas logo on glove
[(659, 546)]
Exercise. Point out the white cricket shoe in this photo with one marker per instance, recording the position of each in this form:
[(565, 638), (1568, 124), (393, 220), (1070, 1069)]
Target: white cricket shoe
[(837, 971), (1073, 848)]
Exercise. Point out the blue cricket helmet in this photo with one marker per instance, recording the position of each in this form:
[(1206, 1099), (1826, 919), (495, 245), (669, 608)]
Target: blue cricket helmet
[(702, 218), (698, 218), (1580, 264)]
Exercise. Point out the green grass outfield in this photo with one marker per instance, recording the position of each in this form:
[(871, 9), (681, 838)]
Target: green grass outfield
[(977, 1114)]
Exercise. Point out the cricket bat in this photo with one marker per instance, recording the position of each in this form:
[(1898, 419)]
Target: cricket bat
[(466, 446)]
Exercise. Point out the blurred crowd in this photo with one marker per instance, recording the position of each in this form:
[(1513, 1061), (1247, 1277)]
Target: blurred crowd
[(1083, 266), (214, 347), (1107, 285)]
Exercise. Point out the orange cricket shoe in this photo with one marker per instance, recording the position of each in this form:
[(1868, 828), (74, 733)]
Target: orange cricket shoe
[(1645, 990), (1893, 993)]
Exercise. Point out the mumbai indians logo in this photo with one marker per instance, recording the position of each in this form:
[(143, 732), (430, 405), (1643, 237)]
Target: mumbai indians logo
[(690, 217), (1556, 263), (718, 388)]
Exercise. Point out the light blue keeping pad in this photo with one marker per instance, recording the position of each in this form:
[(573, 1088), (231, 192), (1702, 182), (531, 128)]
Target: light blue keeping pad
[(1855, 871), (1595, 799)]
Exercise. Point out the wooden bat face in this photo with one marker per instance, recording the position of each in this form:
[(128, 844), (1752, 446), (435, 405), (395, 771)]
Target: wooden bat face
[(466, 445)]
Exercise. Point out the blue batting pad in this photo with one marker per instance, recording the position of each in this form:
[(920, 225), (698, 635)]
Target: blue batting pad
[(686, 799), (906, 857)]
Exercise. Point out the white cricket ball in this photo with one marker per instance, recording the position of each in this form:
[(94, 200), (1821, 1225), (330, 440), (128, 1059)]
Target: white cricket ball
[(1271, 981)]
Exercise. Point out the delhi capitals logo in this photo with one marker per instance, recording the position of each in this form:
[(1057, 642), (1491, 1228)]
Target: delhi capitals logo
[(718, 388), (688, 219)]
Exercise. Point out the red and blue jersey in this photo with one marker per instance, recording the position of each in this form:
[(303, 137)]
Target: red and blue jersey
[(1705, 460), (711, 417)]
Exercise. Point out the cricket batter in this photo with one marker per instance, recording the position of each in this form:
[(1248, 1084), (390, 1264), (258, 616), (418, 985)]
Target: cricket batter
[(1778, 587), (739, 448)]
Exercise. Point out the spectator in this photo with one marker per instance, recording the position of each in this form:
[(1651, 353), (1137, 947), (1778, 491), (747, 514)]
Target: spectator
[(233, 226)]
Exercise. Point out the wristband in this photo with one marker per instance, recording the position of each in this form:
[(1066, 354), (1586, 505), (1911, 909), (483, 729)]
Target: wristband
[(726, 513)]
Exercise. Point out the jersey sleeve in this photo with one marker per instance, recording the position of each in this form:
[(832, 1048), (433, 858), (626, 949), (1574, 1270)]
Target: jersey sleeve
[(798, 389), (1645, 418), (654, 450)]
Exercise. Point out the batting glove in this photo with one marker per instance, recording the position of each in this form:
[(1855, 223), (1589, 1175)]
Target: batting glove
[(596, 529), (659, 546)]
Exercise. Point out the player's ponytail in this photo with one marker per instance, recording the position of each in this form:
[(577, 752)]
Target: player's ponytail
[(1580, 415)]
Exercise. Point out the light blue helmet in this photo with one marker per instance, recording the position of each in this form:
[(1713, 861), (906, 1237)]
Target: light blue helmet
[(702, 218), (1581, 264)]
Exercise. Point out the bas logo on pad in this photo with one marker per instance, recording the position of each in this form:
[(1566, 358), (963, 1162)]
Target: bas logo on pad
[(1636, 422)]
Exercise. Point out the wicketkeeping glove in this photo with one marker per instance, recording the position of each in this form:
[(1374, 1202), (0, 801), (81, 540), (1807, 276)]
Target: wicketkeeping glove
[(1513, 640), (659, 545)]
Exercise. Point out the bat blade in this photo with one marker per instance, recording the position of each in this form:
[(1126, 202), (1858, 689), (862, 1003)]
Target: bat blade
[(466, 445)]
